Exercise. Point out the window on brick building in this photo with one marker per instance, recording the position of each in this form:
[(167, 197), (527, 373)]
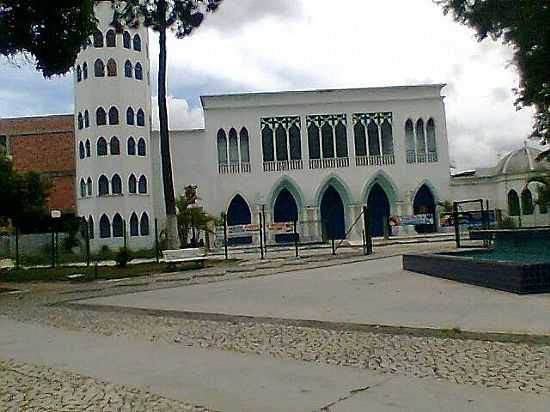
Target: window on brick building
[(99, 68), (101, 147), (140, 118), (141, 147), (110, 38), (114, 146), (131, 146), (100, 117), (113, 116)]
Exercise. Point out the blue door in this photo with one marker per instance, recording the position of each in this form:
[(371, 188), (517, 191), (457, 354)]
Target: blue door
[(424, 203), (378, 209), (285, 210), (238, 213), (332, 215)]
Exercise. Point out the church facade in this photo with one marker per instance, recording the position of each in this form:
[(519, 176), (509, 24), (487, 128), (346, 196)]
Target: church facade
[(307, 156)]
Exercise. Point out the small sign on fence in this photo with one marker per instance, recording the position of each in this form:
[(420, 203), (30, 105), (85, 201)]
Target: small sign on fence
[(238, 230), (412, 220), (282, 227)]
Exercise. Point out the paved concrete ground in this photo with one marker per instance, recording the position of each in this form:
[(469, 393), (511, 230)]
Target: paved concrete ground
[(243, 382), (372, 292)]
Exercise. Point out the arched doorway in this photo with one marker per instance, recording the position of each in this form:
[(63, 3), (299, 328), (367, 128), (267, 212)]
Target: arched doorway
[(285, 210), (424, 203), (378, 209), (238, 213), (333, 215)]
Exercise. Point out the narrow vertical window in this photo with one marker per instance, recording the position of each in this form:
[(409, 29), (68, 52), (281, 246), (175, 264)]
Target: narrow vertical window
[(140, 118), (137, 43), (420, 137), (113, 116), (88, 148), (103, 186), (78, 73), (374, 142), (114, 145), (387, 137), (111, 68), (131, 146), (327, 139), (132, 184), (233, 147), (104, 227), (142, 147), (295, 139), (313, 141), (81, 150), (430, 132), (139, 71), (360, 138), (101, 147), (144, 225), (244, 142), (130, 117), (110, 38), (118, 226), (527, 206), (82, 188), (127, 40), (80, 121), (89, 185), (222, 147), (116, 185), (142, 185), (267, 144), (86, 118), (98, 39), (128, 69), (134, 225), (85, 71), (341, 140), (99, 68)]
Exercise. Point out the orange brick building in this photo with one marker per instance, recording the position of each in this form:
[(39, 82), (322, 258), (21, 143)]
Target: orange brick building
[(46, 145)]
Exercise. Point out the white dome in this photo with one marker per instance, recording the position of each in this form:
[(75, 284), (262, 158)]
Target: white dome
[(521, 161)]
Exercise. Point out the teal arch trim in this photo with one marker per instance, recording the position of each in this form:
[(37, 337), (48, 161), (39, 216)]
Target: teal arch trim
[(338, 184), (286, 182), (430, 186), (386, 182)]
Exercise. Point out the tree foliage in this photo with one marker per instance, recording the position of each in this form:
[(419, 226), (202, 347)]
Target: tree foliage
[(524, 25), (182, 17), (24, 195), (52, 33), (191, 217)]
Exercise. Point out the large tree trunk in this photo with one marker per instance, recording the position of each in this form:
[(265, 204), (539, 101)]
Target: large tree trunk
[(167, 178)]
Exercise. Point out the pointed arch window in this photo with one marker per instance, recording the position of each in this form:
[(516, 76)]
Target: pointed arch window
[(267, 144), (142, 147), (374, 138), (99, 68), (409, 141), (110, 38), (90, 227), (222, 147), (360, 138), (130, 116), (128, 69), (139, 71), (78, 73), (104, 227), (134, 225), (103, 186), (116, 185), (527, 205), (144, 225), (127, 40), (244, 143), (420, 138), (513, 203), (140, 118), (281, 147), (81, 151), (86, 118), (142, 185), (341, 140), (314, 141), (295, 140), (98, 39), (114, 145), (100, 117), (387, 137), (137, 42), (132, 184), (131, 146), (233, 147), (118, 226), (89, 185), (431, 138), (327, 140), (101, 147), (88, 148), (111, 68), (113, 116), (85, 71), (82, 188), (80, 121)]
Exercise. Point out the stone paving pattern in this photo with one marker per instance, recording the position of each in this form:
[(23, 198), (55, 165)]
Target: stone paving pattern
[(509, 366), (25, 387)]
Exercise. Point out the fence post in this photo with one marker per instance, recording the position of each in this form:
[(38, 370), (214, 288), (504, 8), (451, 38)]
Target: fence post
[(457, 224), (16, 247), (265, 234), (261, 236), (296, 238), (225, 236), (387, 228), (333, 243), (124, 233), (368, 238), (87, 232), (156, 240), (53, 245)]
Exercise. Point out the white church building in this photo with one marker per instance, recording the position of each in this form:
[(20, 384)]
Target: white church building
[(316, 157)]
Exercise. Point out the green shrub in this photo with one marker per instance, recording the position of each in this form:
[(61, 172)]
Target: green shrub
[(122, 257)]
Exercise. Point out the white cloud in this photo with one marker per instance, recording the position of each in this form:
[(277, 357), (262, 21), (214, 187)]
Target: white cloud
[(180, 115)]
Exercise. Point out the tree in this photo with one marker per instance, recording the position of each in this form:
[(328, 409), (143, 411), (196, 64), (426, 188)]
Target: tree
[(523, 24), (543, 187), (182, 17), (53, 35), (191, 217), (24, 195)]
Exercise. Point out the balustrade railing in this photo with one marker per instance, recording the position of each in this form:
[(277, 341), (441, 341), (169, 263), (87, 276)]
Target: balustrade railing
[(375, 160), (282, 165), (413, 157), (234, 168), (329, 163)]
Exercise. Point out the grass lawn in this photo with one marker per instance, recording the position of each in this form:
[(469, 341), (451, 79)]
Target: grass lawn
[(103, 272)]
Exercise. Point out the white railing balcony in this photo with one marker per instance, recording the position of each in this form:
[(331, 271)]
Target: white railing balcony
[(330, 163), (413, 157), (375, 160), (234, 168), (283, 165)]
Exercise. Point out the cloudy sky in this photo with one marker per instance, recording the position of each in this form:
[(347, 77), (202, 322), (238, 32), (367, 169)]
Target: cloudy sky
[(261, 45)]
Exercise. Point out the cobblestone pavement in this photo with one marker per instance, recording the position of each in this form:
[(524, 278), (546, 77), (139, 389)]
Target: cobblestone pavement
[(509, 366), (25, 387)]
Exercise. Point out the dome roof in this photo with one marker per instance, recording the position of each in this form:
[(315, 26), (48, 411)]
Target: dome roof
[(521, 161)]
